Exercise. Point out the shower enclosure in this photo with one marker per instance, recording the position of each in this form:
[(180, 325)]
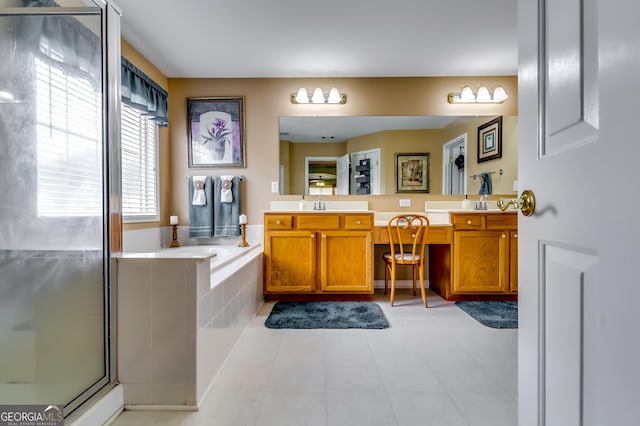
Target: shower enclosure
[(59, 199)]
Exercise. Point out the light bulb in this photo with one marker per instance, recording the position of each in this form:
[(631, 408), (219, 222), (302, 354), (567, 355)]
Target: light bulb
[(483, 95), (499, 95), (302, 97), (334, 96), (318, 96), (467, 95)]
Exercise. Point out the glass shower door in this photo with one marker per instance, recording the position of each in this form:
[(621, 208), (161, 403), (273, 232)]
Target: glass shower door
[(53, 222)]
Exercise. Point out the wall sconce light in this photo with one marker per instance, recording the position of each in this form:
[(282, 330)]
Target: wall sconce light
[(318, 97), (466, 96)]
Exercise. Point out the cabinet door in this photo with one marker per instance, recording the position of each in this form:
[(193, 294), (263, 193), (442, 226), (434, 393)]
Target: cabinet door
[(513, 259), (346, 261), (290, 259), (480, 262)]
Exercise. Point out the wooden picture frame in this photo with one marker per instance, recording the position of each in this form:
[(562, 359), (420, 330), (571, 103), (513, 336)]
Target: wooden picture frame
[(490, 140), (216, 132), (412, 172)]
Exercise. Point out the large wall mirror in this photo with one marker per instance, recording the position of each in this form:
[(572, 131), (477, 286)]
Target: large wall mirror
[(357, 155)]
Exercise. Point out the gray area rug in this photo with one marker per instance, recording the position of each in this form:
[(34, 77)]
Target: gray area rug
[(492, 314), (326, 315)]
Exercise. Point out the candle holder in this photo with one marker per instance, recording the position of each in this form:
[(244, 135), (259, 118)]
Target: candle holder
[(174, 242), (243, 234)]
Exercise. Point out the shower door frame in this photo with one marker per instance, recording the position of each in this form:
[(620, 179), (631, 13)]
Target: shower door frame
[(109, 14)]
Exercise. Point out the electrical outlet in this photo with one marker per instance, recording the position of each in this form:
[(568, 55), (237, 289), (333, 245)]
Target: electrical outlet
[(274, 187), (405, 202), (515, 185)]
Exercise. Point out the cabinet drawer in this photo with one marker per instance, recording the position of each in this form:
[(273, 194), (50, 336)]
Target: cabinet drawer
[(440, 235), (358, 222), (320, 221), (468, 221), (279, 221), (502, 221)]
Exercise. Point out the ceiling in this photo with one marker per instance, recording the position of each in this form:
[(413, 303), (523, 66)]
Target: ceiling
[(327, 38), (342, 128)]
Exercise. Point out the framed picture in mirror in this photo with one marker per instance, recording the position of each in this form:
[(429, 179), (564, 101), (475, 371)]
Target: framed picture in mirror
[(215, 132), (412, 172), (490, 140)]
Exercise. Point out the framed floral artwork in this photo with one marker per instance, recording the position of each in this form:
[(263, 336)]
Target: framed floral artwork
[(412, 172), (490, 140), (215, 132)]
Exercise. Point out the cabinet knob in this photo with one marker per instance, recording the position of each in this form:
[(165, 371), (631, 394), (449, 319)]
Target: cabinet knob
[(413, 236), (469, 222), (313, 235), (503, 236), (277, 222), (515, 236), (357, 222), (324, 236)]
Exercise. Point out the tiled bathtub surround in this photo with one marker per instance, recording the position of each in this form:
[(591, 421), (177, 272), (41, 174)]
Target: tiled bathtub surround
[(178, 319)]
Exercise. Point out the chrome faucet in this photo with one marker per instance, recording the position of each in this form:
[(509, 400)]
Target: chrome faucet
[(480, 205), (319, 205)]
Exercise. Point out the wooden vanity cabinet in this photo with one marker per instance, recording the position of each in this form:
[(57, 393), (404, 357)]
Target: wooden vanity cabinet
[(318, 253), (484, 254)]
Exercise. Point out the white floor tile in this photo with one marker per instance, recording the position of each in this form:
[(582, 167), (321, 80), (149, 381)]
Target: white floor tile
[(293, 409), (355, 408), (434, 366), (487, 409), (425, 409)]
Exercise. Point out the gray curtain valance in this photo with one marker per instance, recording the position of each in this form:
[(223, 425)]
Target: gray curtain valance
[(143, 94)]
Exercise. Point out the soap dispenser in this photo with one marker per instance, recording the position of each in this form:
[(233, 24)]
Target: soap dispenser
[(301, 203), (466, 203)]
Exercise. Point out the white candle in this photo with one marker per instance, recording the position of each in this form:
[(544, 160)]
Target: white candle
[(243, 219), (173, 220)]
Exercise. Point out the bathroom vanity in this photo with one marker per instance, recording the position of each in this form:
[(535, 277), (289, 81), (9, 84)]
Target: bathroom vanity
[(482, 259), (473, 254), (318, 252)]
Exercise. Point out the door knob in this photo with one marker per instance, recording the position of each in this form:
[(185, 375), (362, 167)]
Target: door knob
[(526, 203)]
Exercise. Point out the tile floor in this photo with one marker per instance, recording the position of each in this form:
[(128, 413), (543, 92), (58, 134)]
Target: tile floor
[(433, 366)]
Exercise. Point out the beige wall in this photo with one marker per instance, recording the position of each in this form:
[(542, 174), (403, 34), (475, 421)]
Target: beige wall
[(297, 154), (268, 99), (165, 189), (501, 184)]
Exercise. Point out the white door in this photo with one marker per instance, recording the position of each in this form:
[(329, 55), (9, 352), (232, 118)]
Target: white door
[(374, 156), (342, 175), (454, 170), (579, 344)]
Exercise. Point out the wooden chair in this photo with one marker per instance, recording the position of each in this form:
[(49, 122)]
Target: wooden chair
[(406, 230)]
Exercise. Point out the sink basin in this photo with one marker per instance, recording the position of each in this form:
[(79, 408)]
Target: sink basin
[(355, 206)]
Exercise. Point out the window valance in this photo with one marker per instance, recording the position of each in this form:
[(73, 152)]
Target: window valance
[(143, 94)]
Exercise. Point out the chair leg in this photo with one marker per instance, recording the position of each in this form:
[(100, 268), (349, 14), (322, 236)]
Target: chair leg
[(393, 283), (386, 277), (422, 289), (413, 269)]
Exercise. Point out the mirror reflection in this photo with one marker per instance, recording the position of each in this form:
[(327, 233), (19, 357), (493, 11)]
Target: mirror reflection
[(345, 155)]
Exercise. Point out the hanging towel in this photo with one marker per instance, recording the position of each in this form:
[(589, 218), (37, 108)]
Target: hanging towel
[(226, 215), (201, 216), (226, 195), (199, 197), (485, 185)]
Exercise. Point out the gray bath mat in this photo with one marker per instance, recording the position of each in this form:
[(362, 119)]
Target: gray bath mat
[(326, 315), (492, 314)]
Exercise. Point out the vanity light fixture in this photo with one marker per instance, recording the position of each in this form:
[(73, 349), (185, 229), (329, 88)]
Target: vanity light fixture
[(318, 97), (466, 96)]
